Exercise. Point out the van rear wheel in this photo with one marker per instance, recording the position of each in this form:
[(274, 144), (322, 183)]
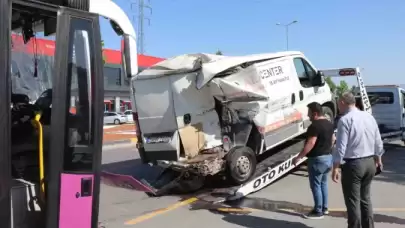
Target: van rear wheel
[(241, 164), (117, 121)]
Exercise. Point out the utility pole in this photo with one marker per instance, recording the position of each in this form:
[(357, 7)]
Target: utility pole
[(141, 19), (286, 29)]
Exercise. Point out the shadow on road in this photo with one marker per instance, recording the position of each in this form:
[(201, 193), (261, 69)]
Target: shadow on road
[(244, 206), (259, 222), (394, 168), (378, 218), (128, 167)]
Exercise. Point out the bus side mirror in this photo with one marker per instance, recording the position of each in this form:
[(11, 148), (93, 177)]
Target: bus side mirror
[(319, 79), (129, 56)]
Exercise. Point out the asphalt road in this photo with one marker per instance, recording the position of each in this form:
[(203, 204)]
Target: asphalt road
[(278, 205)]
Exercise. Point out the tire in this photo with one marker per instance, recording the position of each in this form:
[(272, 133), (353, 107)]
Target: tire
[(117, 121), (328, 114), (237, 155)]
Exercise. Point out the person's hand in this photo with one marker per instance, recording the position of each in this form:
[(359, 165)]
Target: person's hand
[(378, 162), (335, 175), (295, 160)]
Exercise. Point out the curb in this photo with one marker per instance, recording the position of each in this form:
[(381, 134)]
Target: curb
[(120, 142), (392, 146)]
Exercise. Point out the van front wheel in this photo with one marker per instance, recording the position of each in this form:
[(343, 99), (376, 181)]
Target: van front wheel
[(241, 164)]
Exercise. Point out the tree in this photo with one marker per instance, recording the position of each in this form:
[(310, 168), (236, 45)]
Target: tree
[(218, 52), (354, 89), (337, 89), (343, 87), (331, 84)]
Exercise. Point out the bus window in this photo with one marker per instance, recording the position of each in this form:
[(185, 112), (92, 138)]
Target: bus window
[(79, 126)]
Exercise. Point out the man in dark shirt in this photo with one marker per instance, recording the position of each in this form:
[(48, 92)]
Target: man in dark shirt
[(318, 148)]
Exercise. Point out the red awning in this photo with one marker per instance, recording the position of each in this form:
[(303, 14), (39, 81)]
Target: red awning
[(47, 47), (107, 101)]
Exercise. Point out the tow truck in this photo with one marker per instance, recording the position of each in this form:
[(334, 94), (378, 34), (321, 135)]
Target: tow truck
[(363, 101), (371, 99), (277, 163), (50, 158)]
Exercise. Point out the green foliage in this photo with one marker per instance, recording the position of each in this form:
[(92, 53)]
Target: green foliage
[(337, 89), (354, 89), (342, 87), (218, 52), (331, 84)]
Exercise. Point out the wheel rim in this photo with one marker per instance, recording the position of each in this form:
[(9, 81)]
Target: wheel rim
[(243, 165)]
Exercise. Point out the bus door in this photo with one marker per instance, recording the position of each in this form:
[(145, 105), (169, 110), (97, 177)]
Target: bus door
[(73, 173), (5, 116)]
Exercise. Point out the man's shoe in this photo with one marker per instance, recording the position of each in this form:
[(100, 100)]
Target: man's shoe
[(325, 211), (314, 215)]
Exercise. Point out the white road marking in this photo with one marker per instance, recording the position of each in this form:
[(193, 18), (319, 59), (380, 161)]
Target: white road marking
[(108, 127)]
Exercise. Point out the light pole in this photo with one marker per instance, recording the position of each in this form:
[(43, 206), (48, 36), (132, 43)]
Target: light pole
[(286, 29)]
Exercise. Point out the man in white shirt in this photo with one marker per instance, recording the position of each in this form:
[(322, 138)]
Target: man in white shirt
[(359, 145)]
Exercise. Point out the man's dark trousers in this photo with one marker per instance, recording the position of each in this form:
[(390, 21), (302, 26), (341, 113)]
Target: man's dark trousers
[(357, 175)]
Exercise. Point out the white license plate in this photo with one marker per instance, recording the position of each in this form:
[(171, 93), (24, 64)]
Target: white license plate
[(152, 140)]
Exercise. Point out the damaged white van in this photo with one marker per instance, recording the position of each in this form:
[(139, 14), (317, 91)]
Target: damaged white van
[(210, 114)]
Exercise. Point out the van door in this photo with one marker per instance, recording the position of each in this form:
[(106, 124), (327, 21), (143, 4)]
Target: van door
[(157, 118), (76, 138), (197, 120), (306, 92), (280, 118)]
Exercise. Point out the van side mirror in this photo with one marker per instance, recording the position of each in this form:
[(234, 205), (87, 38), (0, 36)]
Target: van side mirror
[(319, 79), (129, 56)]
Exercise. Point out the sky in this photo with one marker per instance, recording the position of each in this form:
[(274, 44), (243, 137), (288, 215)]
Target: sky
[(332, 34)]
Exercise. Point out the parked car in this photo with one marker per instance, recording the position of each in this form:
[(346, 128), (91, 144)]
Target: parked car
[(130, 118), (114, 118)]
